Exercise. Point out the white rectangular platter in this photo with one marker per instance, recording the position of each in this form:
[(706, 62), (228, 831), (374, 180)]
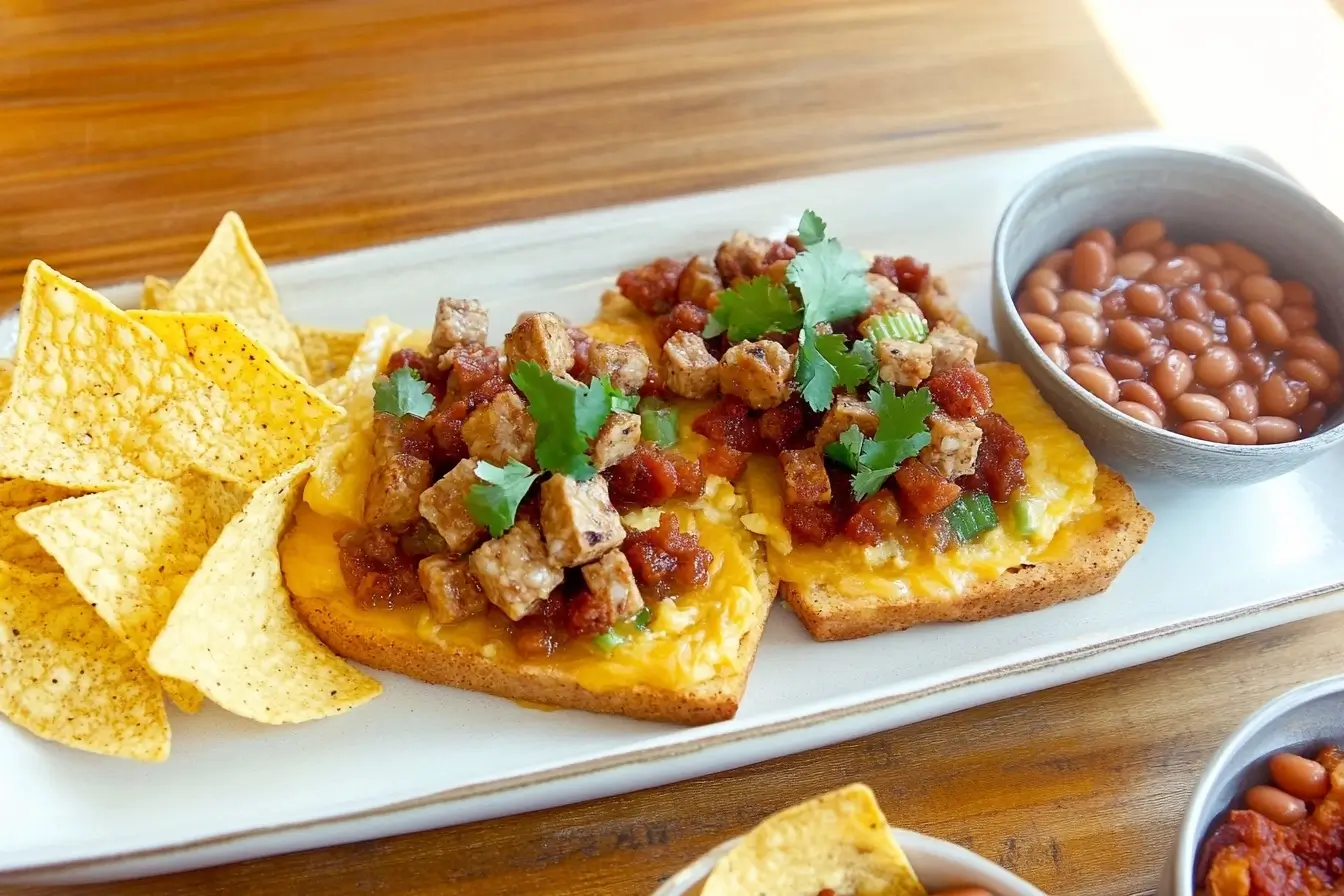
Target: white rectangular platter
[(1219, 563)]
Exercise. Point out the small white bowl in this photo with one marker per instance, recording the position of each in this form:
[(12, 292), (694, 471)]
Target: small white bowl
[(939, 864)]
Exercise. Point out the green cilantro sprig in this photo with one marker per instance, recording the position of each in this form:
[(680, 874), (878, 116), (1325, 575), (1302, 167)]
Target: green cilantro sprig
[(495, 504), (824, 362), (750, 310), (569, 415), (811, 229), (901, 434), (403, 394)]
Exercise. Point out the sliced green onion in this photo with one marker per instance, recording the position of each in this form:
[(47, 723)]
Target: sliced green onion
[(971, 516), (608, 641), (658, 423), (641, 620), (895, 325), (1026, 516)]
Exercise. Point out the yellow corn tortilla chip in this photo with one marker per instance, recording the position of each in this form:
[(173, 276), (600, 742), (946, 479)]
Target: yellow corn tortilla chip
[(156, 292), (276, 419), (838, 841), (235, 636), (66, 677), (98, 401), (6, 379), (16, 546), (328, 352), (230, 277), (130, 552)]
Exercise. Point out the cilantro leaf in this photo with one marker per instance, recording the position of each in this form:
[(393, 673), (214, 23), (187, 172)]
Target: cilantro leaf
[(750, 310), (862, 352), (845, 450), (823, 364), (901, 434), (495, 505), (831, 281), (811, 229), (403, 394), (569, 415), (866, 481)]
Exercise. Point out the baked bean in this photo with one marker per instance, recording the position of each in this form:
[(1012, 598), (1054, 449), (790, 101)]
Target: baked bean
[(1309, 372), (1299, 318), (1156, 326), (1231, 278), (1038, 300), (1145, 299), (1254, 366), (1314, 348), (1299, 776), (1311, 419), (1282, 397), (1057, 261), (1129, 335), (1203, 429), (1172, 375), (1091, 266), (1222, 302), (1143, 234), (1274, 804), (1178, 271), (1140, 412), (1082, 329), (1194, 406), (1270, 330), (1259, 288), (1273, 430), (1043, 329), (1153, 354), (1055, 352), (1099, 235), (1123, 367), (1113, 306), (1238, 256), (1217, 367), (1241, 400), (1139, 392), (1133, 265), (1240, 333), (1191, 305), (1239, 432), (1077, 300), (1212, 280), (1043, 277), (1297, 294), (1334, 393), (1207, 256), (1164, 250), (1097, 381), (1189, 336), (1081, 354)]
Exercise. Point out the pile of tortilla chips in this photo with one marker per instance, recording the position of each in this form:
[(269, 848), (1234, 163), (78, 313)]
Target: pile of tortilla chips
[(149, 463)]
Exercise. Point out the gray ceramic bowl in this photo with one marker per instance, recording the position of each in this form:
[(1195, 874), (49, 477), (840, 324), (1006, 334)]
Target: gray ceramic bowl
[(1301, 721), (1202, 198)]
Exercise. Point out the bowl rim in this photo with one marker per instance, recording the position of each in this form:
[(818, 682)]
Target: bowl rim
[(1190, 835), (1001, 293), (910, 841)]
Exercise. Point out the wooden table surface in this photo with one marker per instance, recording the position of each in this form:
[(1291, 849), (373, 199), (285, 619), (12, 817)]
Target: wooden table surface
[(130, 126)]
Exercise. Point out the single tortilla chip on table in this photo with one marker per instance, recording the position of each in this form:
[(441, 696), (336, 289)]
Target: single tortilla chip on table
[(130, 552), (235, 636), (66, 677), (328, 352), (16, 546), (230, 277)]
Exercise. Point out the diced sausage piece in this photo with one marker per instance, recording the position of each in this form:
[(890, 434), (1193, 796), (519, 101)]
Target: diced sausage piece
[(617, 439), (936, 302), (501, 430), (444, 506), (692, 371), (458, 322), (627, 366), (759, 373), (888, 297), (846, 412), (961, 391), (904, 363), (741, 257), (950, 347), (953, 446), (579, 520), (699, 283), (388, 437), (652, 288), (393, 494), (453, 593), (541, 337), (515, 571), (612, 581), (805, 478)]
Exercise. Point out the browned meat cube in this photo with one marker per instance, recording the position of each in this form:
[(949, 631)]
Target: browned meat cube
[(744, 256), (700, 283), (579, 520), (392, 497), (626, 365), (887, 297), (388, 437), (501, 430), (805, 479), (759, 373), (949, 347), (953, 446), (458, 322), (936, 302), (612, 581), (453, 593), (846, 412), (904, 363), (444, 506), (692, 371), (617, 439), (515, 572), (541, 337)]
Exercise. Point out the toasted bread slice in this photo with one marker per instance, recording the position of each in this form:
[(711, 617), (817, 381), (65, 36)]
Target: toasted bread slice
[(1093, 562), (715, 700)]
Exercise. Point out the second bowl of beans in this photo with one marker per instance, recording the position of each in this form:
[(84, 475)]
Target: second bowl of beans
[(1178, 310)]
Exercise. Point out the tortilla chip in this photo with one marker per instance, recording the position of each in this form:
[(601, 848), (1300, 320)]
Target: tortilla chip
[(838, 841), (230, 277), (6, 379), (130, 552), (156, 292), (328, 352), (276, 419), (98, 401), (65, 677), (235, 636), (16, 546)]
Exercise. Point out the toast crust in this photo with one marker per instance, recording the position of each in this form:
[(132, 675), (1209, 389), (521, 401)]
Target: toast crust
[(715, 700), (1090, 569)]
